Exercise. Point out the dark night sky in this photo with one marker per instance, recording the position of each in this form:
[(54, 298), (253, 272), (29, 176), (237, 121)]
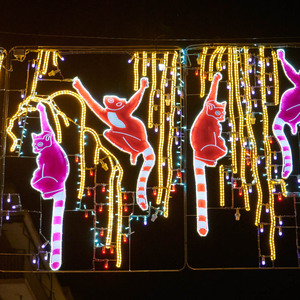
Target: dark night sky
[(130, 22)]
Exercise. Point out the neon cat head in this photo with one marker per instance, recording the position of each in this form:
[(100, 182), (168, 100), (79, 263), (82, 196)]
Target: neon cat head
[(114, 102), (216, 109), (41, 141)]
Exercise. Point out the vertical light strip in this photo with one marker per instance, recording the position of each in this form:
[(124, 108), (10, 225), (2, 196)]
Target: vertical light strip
[(253, 145), (219, 58), (231, 111), (244, 186), (110, 203), (160, 159), (170, 135), (202, 71), (2, 56), (211, 63), (136, 71), (275, 77), (120, 216), (153, 90), (221, 185), (267, 149), (144, 64), (36, 73)]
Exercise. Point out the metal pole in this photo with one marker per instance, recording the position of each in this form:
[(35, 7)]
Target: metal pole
[(4, 115)]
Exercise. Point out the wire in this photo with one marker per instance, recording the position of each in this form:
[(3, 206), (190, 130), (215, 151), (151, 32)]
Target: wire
[(149, 39)]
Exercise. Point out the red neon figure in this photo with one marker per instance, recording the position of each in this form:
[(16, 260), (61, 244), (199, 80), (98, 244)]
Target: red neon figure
[(126, 132), (208, 147), (49, 179)]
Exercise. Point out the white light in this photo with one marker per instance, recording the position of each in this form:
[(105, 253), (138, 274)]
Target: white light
[(161, 67)]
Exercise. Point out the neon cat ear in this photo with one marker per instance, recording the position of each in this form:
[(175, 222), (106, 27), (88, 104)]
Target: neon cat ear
[(210, 106), (47, 137)]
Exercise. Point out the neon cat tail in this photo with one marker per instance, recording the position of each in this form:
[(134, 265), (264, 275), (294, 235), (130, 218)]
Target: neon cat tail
[(126, 132), (208, 146), (49, 179), (289, 113)]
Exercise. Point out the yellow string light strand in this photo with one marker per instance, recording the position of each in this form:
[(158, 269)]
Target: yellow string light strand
[(153, 90), (36, 73), (244, 186), (46, 61), (221, 185), (275, 77), (267, 150), (160, 159), (201, 62), (211, 63), (120, 215), (219, 58), (231, 111), (250, 132), (144, 64), (136, 71), (170, 134), (2, 56)]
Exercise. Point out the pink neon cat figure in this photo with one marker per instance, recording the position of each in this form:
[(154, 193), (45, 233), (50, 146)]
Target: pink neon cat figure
[(49, 179), (289, 113), (208, 146), (126, 132)]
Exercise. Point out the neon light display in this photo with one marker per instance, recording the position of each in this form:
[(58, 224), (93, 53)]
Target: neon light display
[(151, 128), (126, 132), (49, 179), (208, 146), (117, 228), (289, 113)]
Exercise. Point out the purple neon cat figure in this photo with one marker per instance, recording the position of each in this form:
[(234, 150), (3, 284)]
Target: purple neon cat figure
[(289, 113), (49, 179)]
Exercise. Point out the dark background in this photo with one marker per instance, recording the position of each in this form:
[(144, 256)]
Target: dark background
[(98, 23)]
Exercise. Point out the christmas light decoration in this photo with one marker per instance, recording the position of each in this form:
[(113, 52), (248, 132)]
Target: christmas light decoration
[(25, 107), (162, 99), (252, 77), (49, 179), (208, 147), (254, 169)]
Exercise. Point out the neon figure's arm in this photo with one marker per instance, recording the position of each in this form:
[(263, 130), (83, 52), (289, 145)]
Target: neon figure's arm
[(44, 119), (135, 100), (90, 101), (290, 72)]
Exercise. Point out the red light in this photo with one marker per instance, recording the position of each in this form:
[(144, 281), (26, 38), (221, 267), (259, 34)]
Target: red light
[(270, 140), (106, 264), (100, 209), (76, 158), (102, 232), (91, 172), (173, 189), (124, 239), (103, 250), (103, 189), (125, 196), (240, 192), (89, 192), (178, 174), (279, 197), (112, 251), (125, 208), (86, 214), (154, 192), (196, 72), (248, 162)]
